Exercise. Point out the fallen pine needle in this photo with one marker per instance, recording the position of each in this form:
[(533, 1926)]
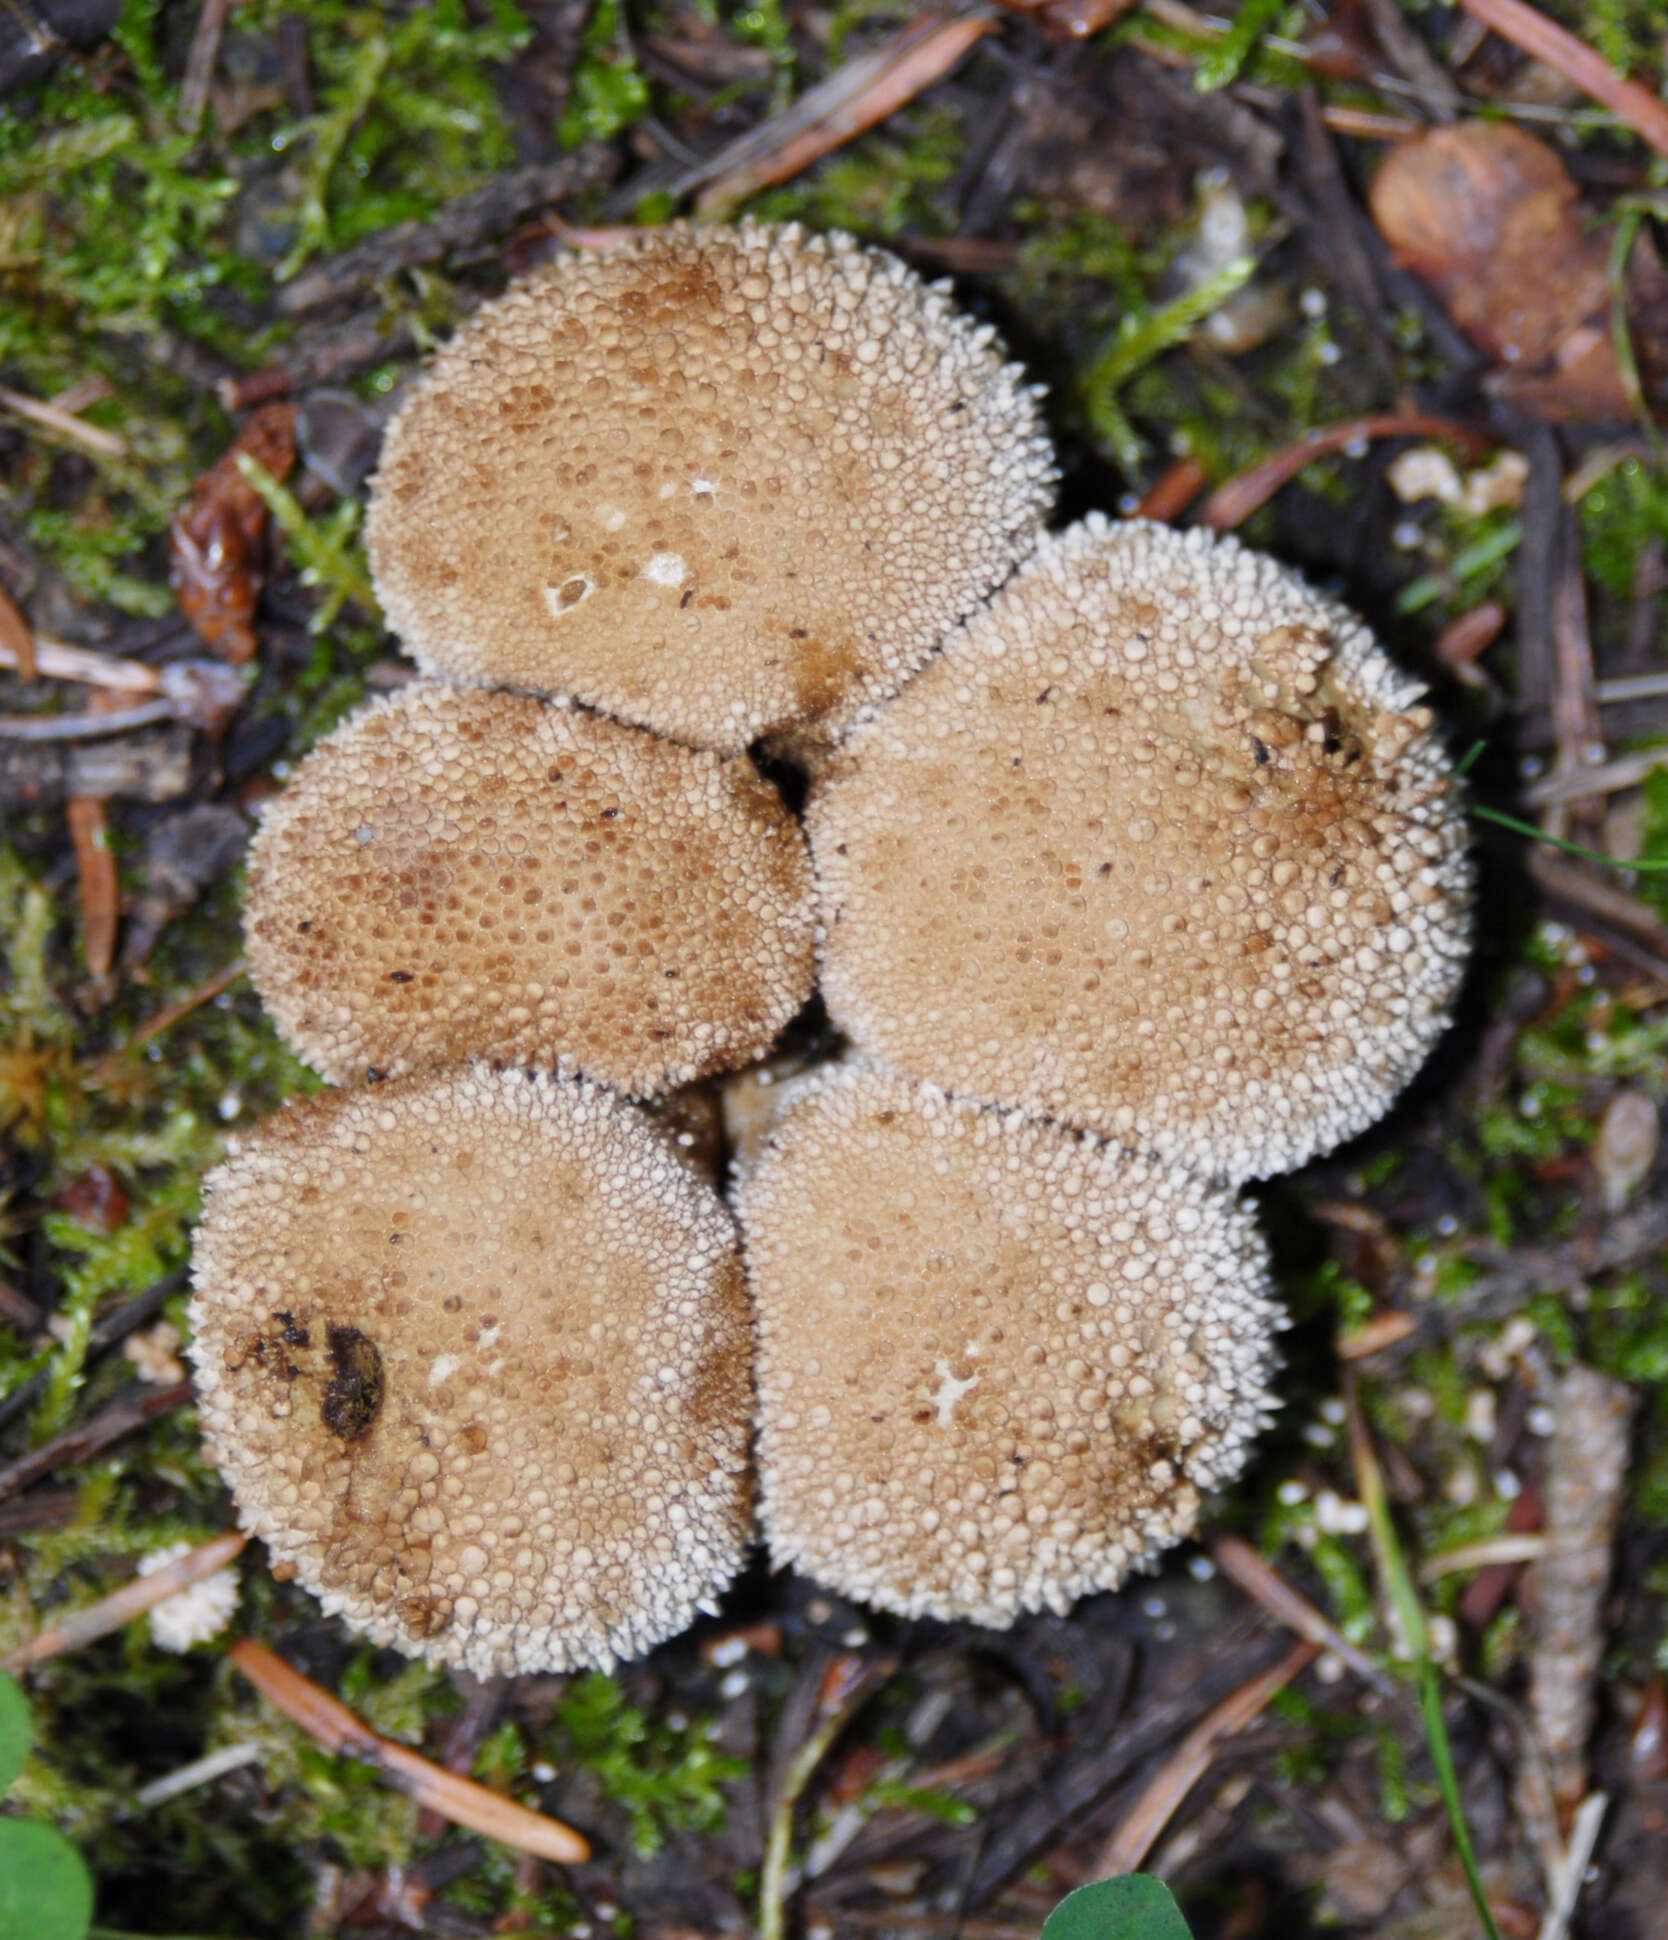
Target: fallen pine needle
[(1232, 504), (1527, 1548), (1189, 1762), (95, 875), (121, 1606), (1545, 40), (17, 638), (1241, 1564), (64, 424), (453, 1796), (865, 90)]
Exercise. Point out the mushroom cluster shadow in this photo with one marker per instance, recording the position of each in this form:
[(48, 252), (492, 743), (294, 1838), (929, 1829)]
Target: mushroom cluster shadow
[(1130, 870)]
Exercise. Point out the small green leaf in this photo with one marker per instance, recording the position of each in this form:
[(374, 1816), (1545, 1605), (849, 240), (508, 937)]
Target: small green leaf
[(46, 1892), (16, 1730), (1135, 1907)]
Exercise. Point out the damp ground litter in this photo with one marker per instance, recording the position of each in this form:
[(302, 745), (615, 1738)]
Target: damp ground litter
[(1381, 289)]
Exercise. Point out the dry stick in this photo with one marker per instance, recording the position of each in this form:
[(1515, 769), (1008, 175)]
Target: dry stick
[(838, 1711), (1575, 717), (97, 1432), (58, 660), (453, 1796), (1188, 1763), (199, 64), (17, 638), (83, 727), (53, 417), (1584, 1833), (852, 98), (1241, 1564), (1628, 100), (122, 1606), (1231, 504), (1607, 778)]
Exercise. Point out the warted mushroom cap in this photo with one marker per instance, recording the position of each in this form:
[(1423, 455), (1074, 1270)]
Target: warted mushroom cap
[(1159, 846), (455, 873), (998, 1361), (716, 482), (472, 1352)]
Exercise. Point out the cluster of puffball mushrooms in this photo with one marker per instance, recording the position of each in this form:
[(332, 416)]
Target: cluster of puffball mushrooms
[(1130, 871)]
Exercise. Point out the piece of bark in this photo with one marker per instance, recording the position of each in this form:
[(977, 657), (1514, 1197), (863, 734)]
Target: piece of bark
[(1586, 1470), (135, 767), (464, 224)]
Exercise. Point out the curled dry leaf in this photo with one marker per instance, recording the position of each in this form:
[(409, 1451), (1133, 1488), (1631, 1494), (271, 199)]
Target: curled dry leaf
[(215, 538), (1489, 216)]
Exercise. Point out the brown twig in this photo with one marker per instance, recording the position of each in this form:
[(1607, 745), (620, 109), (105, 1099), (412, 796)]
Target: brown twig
[(99, 1431), (166, 1018), (1241, 1564), (462, 1800), (865, 90), (1172, 491), (17, 638), (1232, 504), (121, 1606), (199, 63), (464, 224), (1544, 40), (95, 875), (1189, 1762), (58, 660)]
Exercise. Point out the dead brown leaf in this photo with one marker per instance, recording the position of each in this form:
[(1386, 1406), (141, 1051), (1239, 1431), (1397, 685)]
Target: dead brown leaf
[(1489, 216), (214, 542)]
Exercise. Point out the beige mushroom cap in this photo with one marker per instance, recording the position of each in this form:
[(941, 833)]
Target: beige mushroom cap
[(458, 873), (1160, 846), (998, 1361), (717, 482), (472, 1352)]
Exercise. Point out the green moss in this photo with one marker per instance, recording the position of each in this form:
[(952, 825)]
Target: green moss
[(666, 1777), (608, 91)]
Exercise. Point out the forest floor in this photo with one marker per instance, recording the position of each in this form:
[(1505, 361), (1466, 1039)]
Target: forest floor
[(1438, 397)]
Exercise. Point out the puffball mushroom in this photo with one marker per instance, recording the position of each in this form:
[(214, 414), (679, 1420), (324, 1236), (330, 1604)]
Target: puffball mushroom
[(455, 872), (998, 1361), (716, 482), (1160, 846), (473, 1354)]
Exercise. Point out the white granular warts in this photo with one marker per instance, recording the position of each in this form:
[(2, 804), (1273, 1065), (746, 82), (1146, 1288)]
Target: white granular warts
[(998, 1361), (1159, 846), (456, 873), (192, 1615), (716, 482), (473, 1356)]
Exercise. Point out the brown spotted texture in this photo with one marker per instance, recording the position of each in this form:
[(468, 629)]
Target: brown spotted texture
[(1159, 846), (458, 873), (998, 1361), (472, 1353), (715, 482)]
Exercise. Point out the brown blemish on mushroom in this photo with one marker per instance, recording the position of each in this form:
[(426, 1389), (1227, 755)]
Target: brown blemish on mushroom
[(718, 482), (517, 1440), (1210, 899), (353, 1393)]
